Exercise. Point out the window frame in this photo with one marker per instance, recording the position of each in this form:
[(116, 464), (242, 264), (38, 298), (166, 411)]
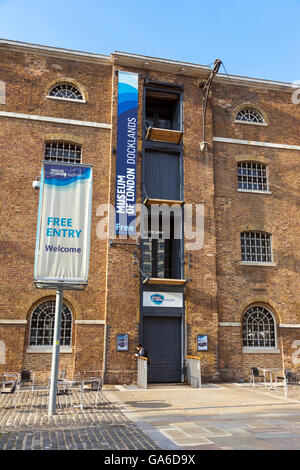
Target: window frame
[(257, 263), (160, 90), (63, 142), (239, 121), (60, 98), (255, 191), (46, 348), (259, 348)]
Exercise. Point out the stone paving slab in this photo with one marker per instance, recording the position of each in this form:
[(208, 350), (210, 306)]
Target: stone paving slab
[(222, 418)]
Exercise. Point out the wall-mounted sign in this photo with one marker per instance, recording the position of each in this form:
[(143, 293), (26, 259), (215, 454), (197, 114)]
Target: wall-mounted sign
[(126, 164), (163, 299), (202, 343), (122, 342), (64, 223)]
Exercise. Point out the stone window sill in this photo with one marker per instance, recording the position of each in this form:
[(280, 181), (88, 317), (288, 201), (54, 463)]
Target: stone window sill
[(252, 263), (65, 99), (47, 349), (264, 124), (253, 191), (261, 350)]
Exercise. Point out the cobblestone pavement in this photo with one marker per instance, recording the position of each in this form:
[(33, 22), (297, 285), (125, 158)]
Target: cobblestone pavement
[(103, 427)]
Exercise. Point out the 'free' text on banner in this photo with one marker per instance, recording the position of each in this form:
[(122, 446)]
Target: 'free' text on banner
[(64, 223)]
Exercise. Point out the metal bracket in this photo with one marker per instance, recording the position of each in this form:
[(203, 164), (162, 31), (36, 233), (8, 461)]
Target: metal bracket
[(206, 89)]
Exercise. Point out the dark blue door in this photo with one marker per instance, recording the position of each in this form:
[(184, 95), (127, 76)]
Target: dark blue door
[(162, 339), (162, 175)]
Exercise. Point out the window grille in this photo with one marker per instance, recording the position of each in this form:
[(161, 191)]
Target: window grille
[(66, 91), (256, 247), (249, 115), (42, 325), (258, 328), (62, 152), (252, 176)]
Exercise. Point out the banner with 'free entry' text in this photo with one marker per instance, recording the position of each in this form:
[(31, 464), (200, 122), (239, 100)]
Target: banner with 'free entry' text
[(64, 223)]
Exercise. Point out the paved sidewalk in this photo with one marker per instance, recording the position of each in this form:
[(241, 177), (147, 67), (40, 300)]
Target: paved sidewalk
[(105, 427), (216, 417)]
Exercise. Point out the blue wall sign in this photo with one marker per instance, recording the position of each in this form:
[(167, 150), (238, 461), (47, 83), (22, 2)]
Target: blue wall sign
[(126, 160)]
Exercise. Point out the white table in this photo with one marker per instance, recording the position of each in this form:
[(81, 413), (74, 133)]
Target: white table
[(270, 371), (81, 383)]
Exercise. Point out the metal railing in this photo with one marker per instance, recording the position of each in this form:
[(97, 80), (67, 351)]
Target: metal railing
[(194, 371), (142, 376)]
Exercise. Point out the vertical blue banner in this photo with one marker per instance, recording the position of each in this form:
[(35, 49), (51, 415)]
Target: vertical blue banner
[(126, 160)]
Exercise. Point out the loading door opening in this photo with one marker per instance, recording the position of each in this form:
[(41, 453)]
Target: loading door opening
[(162, 339)]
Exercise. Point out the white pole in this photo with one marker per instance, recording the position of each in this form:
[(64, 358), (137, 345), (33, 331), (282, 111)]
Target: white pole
[(55, 351)]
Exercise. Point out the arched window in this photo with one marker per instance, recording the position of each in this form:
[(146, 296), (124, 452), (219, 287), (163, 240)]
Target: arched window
[(66, 91), (258, 328), (252, 176), (42, 325), (67, 152), (250, 115), (256, 247)]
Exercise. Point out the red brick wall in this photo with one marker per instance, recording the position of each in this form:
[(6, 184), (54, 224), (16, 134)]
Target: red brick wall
[(277, 213), (219, 289), (28, 78)]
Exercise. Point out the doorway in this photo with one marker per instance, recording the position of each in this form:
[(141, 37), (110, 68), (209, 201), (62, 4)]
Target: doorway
[(162, 339)]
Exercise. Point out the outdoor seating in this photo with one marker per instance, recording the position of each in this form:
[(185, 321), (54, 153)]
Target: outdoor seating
[(92, 384), (88, 384), (289, 377), (60, 377), (83, 386), (10, 384), (27, 377), (255, 375)]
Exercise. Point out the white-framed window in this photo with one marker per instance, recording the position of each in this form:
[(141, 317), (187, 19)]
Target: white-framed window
[(249, 115), (66, 91), (256, 247), (42, 325), (252, 176), (63, 152), (259, 328)]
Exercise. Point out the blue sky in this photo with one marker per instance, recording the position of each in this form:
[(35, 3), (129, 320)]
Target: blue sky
[(254, 38)]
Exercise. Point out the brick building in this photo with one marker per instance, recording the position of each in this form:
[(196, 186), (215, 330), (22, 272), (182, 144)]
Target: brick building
[(235, 296)]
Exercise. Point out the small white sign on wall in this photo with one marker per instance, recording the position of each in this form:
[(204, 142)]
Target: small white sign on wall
[(2, 352), (163, 299)]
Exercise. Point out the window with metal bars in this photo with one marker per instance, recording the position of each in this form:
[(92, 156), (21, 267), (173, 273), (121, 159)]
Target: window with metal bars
[(250, 115), (258, 328), (256, 247), (66, 91), (62, 152), (42, 325), (252, 176)]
